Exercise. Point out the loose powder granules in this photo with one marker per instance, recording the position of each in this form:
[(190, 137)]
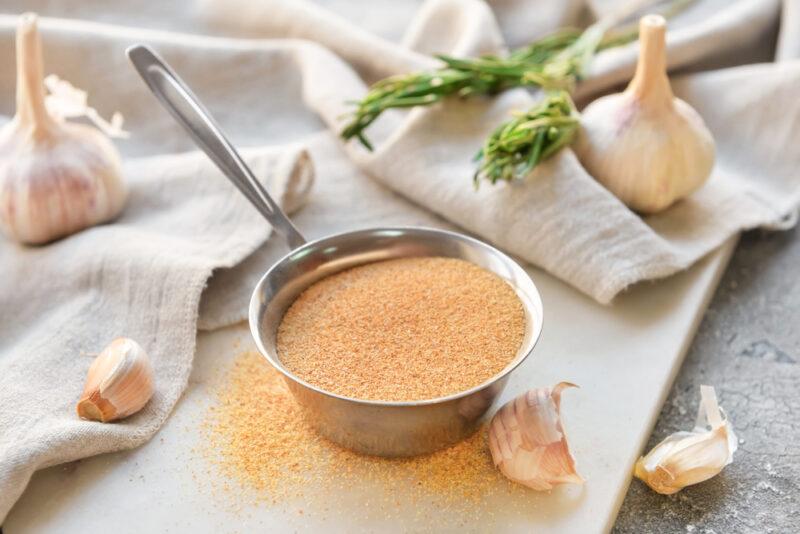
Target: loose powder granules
[(404, 329), (257, 437)]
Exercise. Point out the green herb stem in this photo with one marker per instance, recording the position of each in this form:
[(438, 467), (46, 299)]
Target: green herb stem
[(554, 61), (517, 146)]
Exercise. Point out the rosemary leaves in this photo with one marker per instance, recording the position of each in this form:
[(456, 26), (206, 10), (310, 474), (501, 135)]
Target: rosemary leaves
[(554, 61), (517, 146), (485, 75)]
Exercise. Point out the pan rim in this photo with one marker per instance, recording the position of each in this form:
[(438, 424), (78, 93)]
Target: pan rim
[(256, 305)]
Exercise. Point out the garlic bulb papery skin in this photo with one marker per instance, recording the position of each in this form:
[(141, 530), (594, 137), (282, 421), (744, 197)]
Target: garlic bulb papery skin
[(528, 443), (644, 145), (56, 177), (687, 458), (119, 382)]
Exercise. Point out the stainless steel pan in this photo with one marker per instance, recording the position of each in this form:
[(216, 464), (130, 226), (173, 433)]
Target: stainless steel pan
[(367, 426)]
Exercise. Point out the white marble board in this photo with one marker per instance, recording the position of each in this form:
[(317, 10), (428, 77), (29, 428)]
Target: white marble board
[(624, 357)]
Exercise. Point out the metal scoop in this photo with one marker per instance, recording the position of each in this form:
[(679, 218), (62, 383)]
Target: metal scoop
[(383, 428)]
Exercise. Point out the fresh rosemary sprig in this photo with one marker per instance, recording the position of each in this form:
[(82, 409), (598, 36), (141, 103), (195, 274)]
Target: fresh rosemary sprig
[(517, 146), (555, 61)]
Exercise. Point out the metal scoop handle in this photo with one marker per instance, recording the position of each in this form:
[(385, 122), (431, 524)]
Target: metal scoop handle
[(179, 100)]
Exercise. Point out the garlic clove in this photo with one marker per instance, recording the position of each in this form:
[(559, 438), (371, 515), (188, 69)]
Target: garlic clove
[(56, 177), (686, 458), (528, 443), (119, 382), (645, 146)]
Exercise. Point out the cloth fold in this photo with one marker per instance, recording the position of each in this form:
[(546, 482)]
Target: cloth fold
[(559, 218), (277, 74), (139, 277)]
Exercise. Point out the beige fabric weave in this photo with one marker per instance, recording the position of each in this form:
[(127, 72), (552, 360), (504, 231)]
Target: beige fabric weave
[(276, 74), (559, 218)]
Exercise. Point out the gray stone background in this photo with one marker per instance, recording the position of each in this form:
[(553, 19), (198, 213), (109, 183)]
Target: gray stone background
[(748, 348)]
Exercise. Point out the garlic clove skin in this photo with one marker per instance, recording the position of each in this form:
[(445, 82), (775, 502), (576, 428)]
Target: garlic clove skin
[(645, 146), (119, 382), (528, 443), (686, 458), (56, 178)]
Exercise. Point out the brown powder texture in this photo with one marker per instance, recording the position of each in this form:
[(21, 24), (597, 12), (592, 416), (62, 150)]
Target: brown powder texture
[(404, 329), (256, 437)]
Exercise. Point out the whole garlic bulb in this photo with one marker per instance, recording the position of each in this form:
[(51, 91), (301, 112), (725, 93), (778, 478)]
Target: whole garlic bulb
[(56, 178), (644, 145), (119, 382)]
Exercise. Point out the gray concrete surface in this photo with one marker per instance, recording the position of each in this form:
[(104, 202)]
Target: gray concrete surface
[(748, 348)]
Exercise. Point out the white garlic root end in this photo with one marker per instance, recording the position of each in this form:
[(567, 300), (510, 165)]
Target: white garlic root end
[(528, 443), (645, 146), (65, 101), (119, 382), (686, 458)]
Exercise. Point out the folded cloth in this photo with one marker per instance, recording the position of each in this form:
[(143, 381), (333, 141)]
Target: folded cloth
[(559, 218), (142, 276)]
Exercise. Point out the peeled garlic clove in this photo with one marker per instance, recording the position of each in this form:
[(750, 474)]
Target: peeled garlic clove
[(119, 382), (55, 177), (645, 146), (528, 443), (687, 458)]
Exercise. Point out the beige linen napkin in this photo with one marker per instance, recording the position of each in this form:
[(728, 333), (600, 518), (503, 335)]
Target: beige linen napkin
[(559, 218), (140, 277), (143, 275)]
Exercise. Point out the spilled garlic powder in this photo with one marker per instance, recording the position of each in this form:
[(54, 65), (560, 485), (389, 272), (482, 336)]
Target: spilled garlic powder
[(403, 329), (257, 439)]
